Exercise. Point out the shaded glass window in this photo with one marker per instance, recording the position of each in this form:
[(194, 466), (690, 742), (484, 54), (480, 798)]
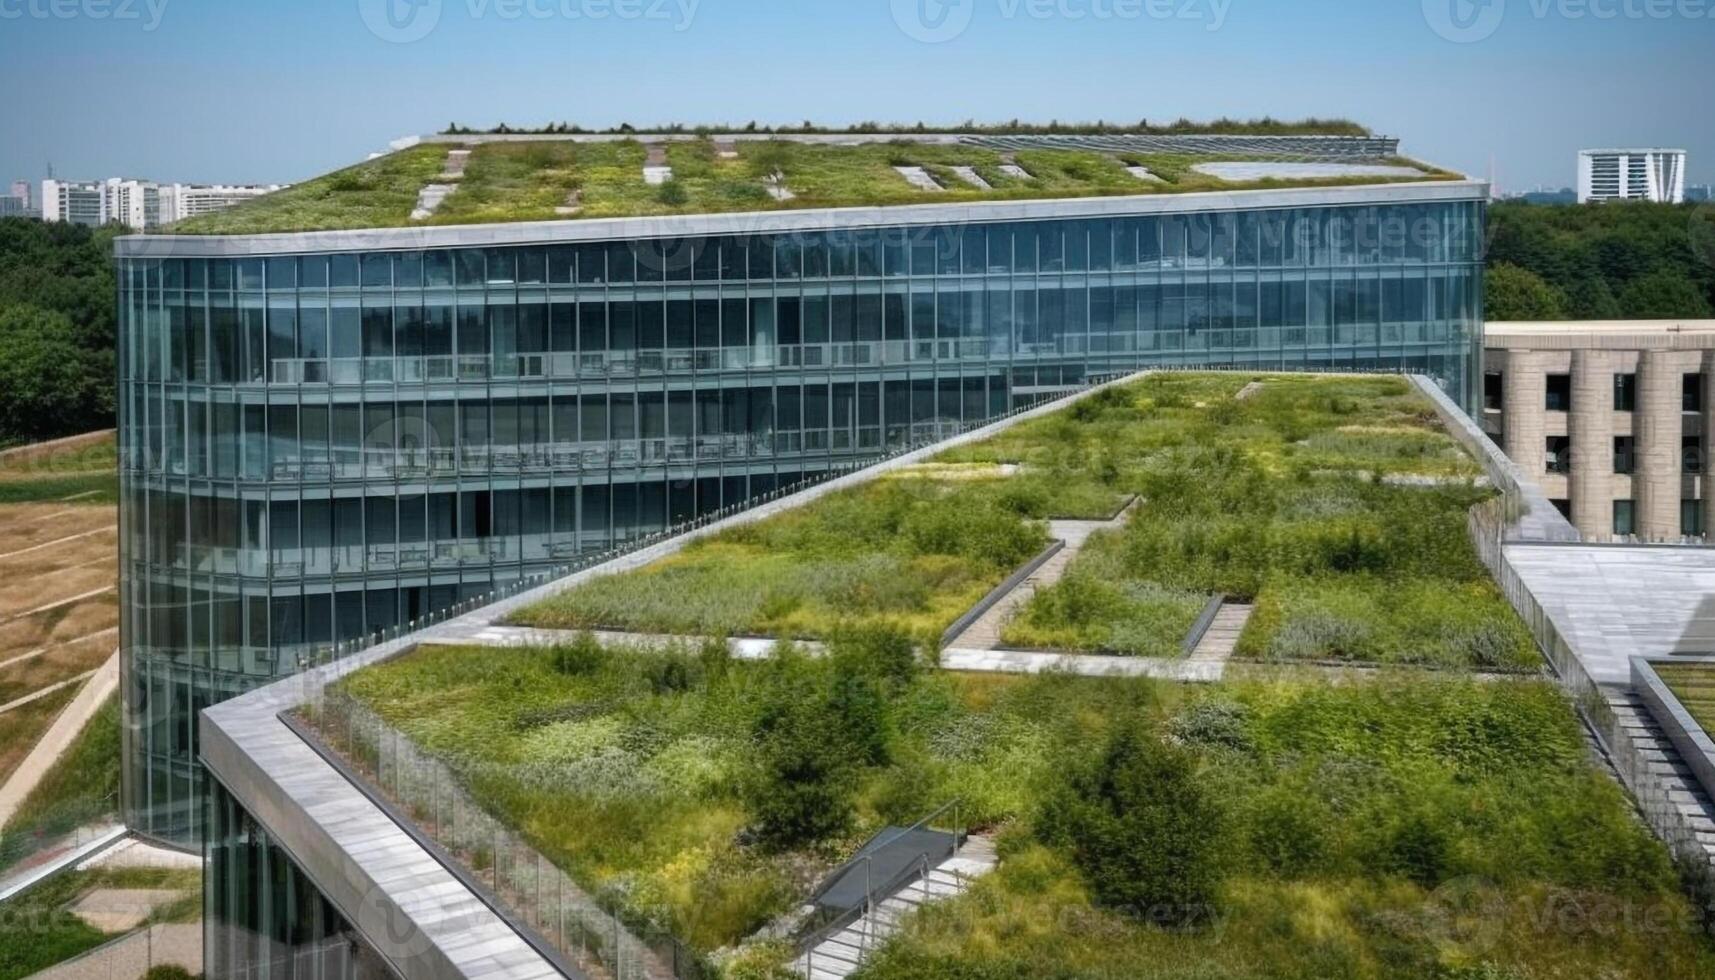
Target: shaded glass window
[(1559, 454), (1625, 392), (1624, 517), (1493, 388), (1624, 454), (1559, 397)]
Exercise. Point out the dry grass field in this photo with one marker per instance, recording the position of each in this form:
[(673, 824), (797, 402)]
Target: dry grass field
[(59, 608)]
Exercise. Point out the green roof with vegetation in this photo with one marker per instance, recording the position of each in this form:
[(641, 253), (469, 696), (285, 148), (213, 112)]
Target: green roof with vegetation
[(1287, 821), (1266, 126), (1407, 824), (547, 180), (1694, 685), (1337, 504)]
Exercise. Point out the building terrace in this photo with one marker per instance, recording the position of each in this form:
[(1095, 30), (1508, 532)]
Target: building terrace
[(633, 770)]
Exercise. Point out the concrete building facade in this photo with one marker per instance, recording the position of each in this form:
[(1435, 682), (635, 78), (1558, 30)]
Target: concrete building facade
[(1645, 174), (1612, 418), (141, 205), (181, 201), (77, 201)]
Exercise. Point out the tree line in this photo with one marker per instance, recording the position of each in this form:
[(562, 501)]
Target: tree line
[(1632, 261), (58, 324)]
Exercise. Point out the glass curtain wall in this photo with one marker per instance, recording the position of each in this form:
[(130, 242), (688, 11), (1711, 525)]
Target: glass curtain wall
[(262, 917), (319, 446)]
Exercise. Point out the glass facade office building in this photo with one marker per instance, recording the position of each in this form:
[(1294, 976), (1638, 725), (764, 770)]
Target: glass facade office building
[(324, 436)]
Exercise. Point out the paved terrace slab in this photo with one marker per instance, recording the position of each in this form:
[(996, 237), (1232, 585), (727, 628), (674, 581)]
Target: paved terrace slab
[(1615, 602)]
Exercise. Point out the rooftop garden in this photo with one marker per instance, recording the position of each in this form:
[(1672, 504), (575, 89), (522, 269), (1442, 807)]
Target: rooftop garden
[(377, 193), (1694, 685), (1337, 504), (547, 180), (1266, 126), (1405, 825)]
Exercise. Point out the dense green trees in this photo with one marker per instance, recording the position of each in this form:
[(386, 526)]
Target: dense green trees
[(1520, 294), (1137, 823), (57, 327), (49, 384), (1595, 262)]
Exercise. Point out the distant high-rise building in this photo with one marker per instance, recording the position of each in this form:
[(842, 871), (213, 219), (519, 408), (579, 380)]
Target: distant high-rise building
[(141, 205), (21, 192), (1650, 174), (181, 201), (1700, 192), (135, 204), (80, 202)]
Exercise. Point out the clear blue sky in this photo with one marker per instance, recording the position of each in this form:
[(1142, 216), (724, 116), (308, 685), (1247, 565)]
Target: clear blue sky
[(271, 90)]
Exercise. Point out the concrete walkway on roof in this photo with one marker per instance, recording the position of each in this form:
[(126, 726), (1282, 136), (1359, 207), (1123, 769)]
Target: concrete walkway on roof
[(1614, 602), (962, 659), (1218, 642), (985, 633)]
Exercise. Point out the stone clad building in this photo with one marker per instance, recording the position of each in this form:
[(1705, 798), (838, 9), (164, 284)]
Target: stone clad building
[(1611, 417)]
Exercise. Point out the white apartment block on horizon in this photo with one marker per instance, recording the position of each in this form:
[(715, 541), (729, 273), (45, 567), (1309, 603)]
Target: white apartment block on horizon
[(1639, 174), (139, 204)]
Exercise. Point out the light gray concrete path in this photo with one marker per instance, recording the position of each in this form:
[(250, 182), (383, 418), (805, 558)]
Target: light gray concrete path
[(1218, 642), (1081, 664), (953, 658), (103, 681), (132, 956), (1614, 602), (841, 954), (985, 633)]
